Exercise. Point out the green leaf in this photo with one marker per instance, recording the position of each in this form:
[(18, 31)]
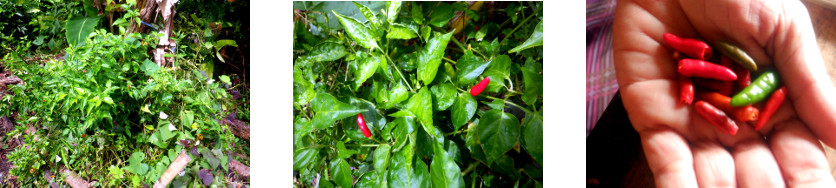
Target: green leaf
[(225, 79), (403, 127), (161, 135), (397, 95), (213, 160), (421, 177), (430, 57), (426, 31), (404, 173), (366, 67), (445, 95), (398, 31), (489, 48), (328, 109), (392, 10), (369, 14), (444, 171), (498, 133), (343, 7), (135, 164), (402, 113), (532, 136), (463, 109), (385, 70), (344, 153), (374, 119), (149, 67), (536, 39), (224, 43), (481, 33), (357, 31), (341, 172), (533, 84), (304, 158), (327, 51), (186, 118), (470, 67), (498, 71), (303, 90), (441, 15), (370, 180), (89, 8), (301, 128), (505, 165), (417, 14), (473, 144), (420, 105), (79, 29), (381, 158), (498, 104)]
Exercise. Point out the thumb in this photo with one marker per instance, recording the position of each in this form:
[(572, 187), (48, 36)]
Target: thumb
[(799, 62)]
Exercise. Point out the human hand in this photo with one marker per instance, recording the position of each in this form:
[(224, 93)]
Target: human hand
[(683, 149)]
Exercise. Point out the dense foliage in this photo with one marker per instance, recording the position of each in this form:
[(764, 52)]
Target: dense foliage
[(407, 67), (92, 101)]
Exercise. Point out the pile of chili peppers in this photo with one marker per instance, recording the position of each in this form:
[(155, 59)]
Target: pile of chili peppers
[(714, 84)]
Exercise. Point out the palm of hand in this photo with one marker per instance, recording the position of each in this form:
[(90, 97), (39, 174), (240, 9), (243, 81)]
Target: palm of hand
[(682, 148)]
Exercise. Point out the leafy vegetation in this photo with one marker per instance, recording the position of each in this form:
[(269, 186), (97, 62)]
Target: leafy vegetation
[(407, 68), (93, 101)]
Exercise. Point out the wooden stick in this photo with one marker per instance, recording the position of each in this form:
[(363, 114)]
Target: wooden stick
[(73, 180), (176, 166), (239, 168)]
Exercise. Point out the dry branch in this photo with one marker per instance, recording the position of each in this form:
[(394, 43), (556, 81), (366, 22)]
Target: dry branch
[(73, 180), (176, 166), (239, 168)]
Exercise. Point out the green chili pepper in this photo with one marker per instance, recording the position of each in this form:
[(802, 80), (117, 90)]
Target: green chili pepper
[(736, 54), (450, 71), (758, 90)]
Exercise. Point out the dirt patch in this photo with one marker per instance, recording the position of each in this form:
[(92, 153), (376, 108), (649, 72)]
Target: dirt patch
[(6, 147)]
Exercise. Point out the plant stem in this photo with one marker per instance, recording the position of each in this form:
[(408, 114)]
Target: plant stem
[(514, 104), (470, 168), (515, 29), (457, 132), (465, 49), (389, 59), (364, 145), (449, 60)]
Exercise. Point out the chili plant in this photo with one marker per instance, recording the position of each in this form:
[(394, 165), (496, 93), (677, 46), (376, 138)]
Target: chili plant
[(105, 111), (451, 93)]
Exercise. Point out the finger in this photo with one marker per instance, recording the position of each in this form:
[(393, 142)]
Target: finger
[(669, 158), (755, 165), (748, 24), (714, 165), (800, 156), (803, 72)]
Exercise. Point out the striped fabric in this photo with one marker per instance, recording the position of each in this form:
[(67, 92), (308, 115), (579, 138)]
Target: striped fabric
[(601, 84)]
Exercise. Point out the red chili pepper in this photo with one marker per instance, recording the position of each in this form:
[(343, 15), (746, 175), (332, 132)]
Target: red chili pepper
[(686, 89), (704, 69), (709, 84), (475, 90), (716, 117), (727, 85), (362, 124), (771, 107), (744, 77), (741, 113), (691, 47)]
